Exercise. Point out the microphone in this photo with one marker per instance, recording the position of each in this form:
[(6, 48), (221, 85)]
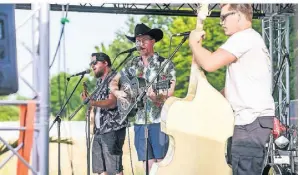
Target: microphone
[(129, 50), (80, 73), (182, 34)]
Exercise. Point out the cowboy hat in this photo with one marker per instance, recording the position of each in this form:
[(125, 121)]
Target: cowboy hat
[(142, 29)]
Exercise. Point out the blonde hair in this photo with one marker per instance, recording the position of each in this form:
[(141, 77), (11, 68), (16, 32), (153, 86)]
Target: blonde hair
[(246, 9)]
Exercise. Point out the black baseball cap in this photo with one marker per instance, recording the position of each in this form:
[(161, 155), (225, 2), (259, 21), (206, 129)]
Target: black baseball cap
[(100, 56)]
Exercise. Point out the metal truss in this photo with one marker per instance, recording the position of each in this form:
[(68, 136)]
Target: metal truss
[(276, 35), (166, 9), (40, 89)]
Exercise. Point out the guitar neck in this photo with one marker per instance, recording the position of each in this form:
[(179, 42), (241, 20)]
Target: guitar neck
[(199, 27)]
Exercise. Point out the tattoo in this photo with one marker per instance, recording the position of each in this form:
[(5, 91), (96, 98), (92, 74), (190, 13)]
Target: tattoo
[(114, 84)]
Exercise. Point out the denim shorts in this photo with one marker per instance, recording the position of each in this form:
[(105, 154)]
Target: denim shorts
[(157, 142), (107, 151)]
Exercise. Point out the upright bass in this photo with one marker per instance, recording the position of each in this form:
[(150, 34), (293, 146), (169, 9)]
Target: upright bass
[(199, 126)]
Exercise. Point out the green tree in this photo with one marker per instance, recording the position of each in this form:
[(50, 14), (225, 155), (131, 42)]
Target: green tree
[(119, 44), (182, 59), (9, 113)]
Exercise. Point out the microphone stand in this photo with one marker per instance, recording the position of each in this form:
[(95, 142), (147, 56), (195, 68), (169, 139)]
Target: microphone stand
[(58, 119), (86, 101), (286, 56), (143, 93), (88, 138), (146, 136)]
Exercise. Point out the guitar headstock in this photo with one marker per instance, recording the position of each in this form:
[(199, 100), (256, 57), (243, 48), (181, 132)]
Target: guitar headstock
[(84, 86), (202, 13)]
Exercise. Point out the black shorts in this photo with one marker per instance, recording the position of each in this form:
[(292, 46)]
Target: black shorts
[(107, 152), (248, 146)]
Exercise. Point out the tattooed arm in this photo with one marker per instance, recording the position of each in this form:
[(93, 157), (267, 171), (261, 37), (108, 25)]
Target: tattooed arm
[(109, 103), (114, 87), (114, 83)]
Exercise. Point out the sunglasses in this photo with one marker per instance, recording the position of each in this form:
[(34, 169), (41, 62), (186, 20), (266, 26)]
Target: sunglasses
[(94, 62), (223, 17)]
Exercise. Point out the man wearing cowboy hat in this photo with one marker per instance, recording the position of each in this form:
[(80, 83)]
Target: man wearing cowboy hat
[(146, 66)]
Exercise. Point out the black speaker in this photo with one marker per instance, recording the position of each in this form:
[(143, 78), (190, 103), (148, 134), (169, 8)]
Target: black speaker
[(8, 60)]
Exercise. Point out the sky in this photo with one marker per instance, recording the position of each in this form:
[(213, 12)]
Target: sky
[(83, 32)]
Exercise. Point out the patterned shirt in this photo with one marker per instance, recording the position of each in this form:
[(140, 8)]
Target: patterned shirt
[(106, 120), (136, 68)]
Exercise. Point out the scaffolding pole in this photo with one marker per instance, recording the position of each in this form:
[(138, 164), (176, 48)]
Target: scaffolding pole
[(275, 31), (35, 66), (43, 137)]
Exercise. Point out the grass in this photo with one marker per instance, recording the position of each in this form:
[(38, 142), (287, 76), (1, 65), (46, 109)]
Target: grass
[(73, 158)]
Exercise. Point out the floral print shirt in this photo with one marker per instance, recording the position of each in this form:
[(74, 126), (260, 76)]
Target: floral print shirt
[(135, 67)]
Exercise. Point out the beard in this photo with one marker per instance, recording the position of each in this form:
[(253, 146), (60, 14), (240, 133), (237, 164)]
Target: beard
[(99, 74)]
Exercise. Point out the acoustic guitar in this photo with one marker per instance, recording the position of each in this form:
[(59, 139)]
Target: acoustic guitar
[(133, 87), (198, 126)]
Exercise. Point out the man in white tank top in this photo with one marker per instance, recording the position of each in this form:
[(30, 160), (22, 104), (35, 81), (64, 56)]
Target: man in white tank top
[(247, 84)]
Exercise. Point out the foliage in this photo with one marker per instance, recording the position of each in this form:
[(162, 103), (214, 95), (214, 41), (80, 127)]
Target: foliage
[(8, 113), (182, 58)]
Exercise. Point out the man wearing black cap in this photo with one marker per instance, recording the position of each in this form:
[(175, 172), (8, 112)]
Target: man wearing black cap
[(109, 134), (146, 66)]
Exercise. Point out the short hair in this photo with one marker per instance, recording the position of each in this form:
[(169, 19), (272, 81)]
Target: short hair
[(101, 56), (246, 9)]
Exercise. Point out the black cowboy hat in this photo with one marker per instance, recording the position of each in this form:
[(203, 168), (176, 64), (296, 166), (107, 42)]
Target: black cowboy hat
[(142, 29)]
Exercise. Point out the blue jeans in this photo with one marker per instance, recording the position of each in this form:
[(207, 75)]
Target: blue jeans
[(157, 142)]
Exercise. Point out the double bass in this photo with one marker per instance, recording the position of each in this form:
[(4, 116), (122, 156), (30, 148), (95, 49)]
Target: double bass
[(199, 126)]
